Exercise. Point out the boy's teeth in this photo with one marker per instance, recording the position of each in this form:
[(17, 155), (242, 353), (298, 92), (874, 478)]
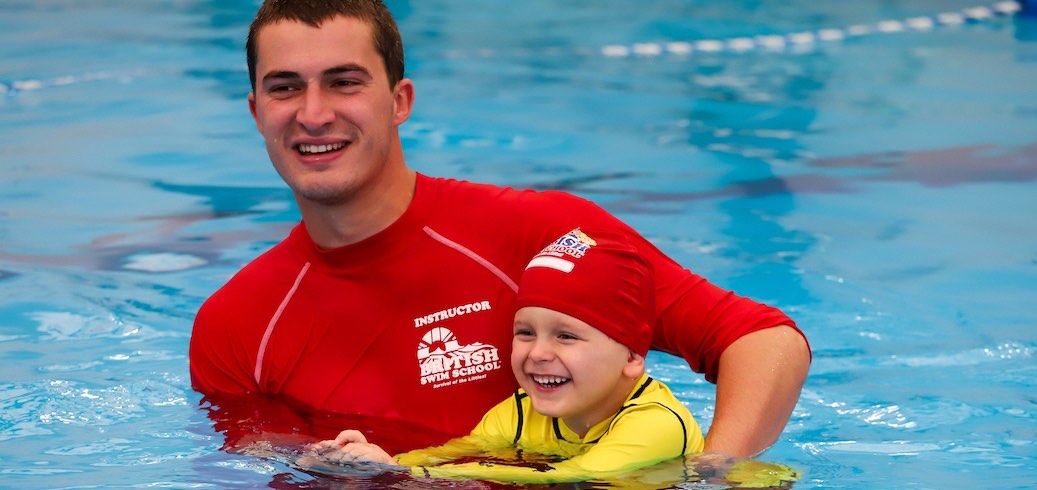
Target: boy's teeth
[(550, 380)]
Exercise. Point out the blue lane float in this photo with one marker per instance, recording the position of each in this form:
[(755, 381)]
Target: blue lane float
[(808, 39)]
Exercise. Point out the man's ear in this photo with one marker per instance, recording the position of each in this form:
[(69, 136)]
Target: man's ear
[(252, 109), (403, 100)]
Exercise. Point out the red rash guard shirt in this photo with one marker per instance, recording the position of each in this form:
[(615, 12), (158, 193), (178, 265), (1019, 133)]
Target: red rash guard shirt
[(414, 323)]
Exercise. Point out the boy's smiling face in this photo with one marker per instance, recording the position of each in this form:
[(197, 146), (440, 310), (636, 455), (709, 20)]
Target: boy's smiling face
[(570, 369)]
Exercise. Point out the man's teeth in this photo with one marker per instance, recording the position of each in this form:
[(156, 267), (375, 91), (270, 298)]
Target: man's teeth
[(320, 148), (550, 380)]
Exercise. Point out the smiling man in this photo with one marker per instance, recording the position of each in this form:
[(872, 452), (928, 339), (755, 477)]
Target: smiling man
[(393, 297), (330, 118)]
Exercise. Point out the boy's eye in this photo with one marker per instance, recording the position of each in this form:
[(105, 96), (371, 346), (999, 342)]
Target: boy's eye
[(567, 336), (523, 332)]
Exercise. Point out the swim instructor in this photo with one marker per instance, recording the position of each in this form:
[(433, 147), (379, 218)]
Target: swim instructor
[(393, 296)]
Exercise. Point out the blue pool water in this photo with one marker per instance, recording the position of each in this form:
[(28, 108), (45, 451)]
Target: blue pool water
[(878, 181)]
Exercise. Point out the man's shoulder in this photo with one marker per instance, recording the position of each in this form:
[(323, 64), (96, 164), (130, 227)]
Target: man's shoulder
[(486, 196), (275, 261), (276, 264)]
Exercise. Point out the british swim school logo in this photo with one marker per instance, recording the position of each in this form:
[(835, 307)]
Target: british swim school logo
[(444, 361), (573, 245)]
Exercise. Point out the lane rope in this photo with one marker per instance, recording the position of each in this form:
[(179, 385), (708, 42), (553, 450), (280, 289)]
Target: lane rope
[(808, 39)]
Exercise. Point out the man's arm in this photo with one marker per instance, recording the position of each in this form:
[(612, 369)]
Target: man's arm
[(753, 352), (759, 381)]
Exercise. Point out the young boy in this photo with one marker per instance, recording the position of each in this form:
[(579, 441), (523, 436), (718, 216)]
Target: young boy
[(582, 328)]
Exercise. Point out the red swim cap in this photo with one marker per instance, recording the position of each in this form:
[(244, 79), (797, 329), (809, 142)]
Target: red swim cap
[(599, 278)]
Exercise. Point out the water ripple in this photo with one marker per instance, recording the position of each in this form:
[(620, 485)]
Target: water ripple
[(30, 409), (60, 326), (835, 361), (888, 415), (1002, 352), (99, 447), (163, 262), (36, 471), (892, 448)]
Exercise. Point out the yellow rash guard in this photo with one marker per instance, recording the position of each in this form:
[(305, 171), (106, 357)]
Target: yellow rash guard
[(652, 426)]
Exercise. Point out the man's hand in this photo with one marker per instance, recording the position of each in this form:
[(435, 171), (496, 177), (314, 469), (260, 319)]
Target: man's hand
[(350, 446), (345, 437), (359, 452)]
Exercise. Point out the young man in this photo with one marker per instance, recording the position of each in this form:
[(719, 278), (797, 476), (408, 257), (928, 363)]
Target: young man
[(586, 409), (393, 296)]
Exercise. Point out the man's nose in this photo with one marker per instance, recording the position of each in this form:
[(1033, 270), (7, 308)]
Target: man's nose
[(315, 112)]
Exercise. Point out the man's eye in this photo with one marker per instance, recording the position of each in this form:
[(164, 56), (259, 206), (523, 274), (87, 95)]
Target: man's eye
[(280, 89)]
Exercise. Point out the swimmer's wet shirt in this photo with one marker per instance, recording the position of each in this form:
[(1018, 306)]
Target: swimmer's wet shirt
[(652, 426), (414, 323)]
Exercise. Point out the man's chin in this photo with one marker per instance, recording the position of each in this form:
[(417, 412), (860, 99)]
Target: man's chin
[(323, 194)]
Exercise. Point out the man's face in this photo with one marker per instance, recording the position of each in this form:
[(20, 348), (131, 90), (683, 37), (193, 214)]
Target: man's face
[(324, 105)]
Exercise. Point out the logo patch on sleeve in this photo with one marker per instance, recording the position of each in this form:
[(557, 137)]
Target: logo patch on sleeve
[(560, 254)]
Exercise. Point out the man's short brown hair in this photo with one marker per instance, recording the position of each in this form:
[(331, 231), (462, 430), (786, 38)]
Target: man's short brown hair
[(387, 41)]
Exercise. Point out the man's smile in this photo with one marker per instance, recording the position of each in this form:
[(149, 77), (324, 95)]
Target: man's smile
[(308, 149)]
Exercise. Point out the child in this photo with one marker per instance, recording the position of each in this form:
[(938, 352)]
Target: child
[(582, 328)]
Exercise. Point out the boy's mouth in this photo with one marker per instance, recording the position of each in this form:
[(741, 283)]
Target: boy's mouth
[(549, 381)]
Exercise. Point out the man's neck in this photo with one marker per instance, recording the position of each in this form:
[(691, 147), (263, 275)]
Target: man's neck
[(363, 215)]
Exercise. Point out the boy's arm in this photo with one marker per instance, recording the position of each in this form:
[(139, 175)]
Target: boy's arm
[(496, 430), (640, 436), (460, 447)]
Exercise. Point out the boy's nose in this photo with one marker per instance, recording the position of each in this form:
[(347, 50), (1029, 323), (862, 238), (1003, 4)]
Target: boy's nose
[(541, 351)]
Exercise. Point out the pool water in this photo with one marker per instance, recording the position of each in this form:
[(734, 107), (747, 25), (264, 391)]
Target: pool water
[(871, 173)]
